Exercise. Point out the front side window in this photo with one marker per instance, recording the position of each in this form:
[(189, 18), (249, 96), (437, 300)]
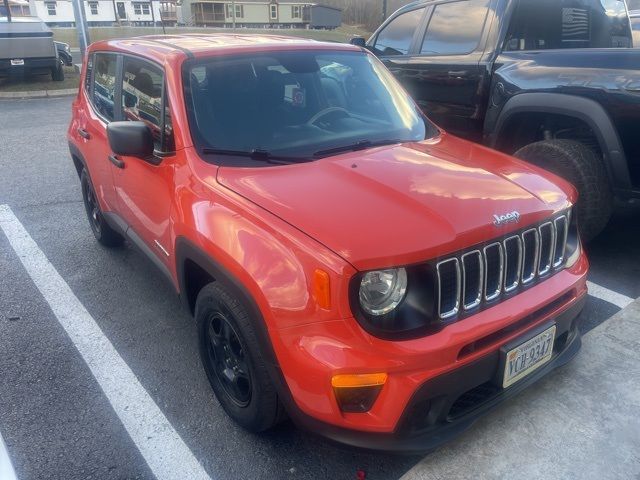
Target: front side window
[(561, 24), (104, 84), (296, 105), (455, 28), (142, 87), (396, 37)]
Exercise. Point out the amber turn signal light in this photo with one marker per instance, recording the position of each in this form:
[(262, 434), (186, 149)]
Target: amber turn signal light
[(322, 288), (358, 393)]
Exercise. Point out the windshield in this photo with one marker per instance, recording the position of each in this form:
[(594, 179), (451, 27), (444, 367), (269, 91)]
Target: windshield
[(296, 105)]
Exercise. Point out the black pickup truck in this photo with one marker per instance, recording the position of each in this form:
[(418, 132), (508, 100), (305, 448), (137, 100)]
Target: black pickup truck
[(554, 82)]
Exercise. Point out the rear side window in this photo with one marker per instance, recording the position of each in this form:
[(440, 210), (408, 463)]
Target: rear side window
[(396, 37), (561, 24), (104, 84), (143, 99), (455, 28)]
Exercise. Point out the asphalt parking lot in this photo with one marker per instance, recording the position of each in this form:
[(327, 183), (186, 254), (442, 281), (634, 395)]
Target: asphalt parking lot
[(55, 418)]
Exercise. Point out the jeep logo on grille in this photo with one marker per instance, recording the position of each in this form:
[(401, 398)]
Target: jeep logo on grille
[(511, 217)]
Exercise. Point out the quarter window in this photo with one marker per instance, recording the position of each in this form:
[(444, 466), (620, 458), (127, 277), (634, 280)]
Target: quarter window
[(396, 37), (104, 84), (561, 24), (455, 28), (142, 88)]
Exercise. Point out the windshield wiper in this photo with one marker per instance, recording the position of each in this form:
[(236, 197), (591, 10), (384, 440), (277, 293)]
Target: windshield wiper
[(359, 145), (255, 154)]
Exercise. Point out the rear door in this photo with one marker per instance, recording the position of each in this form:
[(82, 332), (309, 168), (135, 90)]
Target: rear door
[(91, 127), (448, 74)]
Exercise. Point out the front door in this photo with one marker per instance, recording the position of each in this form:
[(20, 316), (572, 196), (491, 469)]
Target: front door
[(144, 187), (122, 13)]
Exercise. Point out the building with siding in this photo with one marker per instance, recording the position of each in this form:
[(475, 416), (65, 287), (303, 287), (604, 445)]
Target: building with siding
[(260, 14)]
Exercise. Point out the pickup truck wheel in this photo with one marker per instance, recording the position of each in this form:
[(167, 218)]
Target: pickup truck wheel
[(232, 361), (105, 235), (579, 165), (57, 73)]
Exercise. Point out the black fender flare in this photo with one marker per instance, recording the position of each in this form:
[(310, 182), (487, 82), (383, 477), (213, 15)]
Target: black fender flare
[(75, 153), (584, 109)]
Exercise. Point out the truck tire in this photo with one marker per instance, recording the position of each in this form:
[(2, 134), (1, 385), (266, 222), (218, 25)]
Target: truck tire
[(57, 74), (232, 361), (105, 235), (578, 164)]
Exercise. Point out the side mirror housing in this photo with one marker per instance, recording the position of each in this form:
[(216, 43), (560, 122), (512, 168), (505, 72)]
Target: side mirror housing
[(358, 42), (133, 139)]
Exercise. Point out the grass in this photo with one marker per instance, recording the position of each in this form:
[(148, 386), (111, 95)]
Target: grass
[(40, 82), (70, 35)]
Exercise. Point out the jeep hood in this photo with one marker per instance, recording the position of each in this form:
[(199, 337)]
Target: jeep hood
[(406, 203)]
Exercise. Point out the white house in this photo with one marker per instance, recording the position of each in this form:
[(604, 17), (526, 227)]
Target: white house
[(59, 13)]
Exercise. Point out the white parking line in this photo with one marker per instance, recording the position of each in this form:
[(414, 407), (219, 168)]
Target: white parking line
[(607, 295), (160, 445), (6, 469)]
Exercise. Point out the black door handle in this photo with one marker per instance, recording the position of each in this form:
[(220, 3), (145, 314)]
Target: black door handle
[(84, 134), (116, 161)]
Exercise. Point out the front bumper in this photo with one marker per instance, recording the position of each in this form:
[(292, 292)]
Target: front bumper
[(439, 385)]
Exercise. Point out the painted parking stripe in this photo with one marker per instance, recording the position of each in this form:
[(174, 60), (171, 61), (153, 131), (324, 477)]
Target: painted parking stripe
[(603, 293), (6, 469), (160, 445)]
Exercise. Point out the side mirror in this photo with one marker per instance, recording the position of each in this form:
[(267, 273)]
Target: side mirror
[(133, 139), (358, 42)]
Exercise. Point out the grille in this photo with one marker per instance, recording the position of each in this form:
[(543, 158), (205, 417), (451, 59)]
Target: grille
[(482, 275)]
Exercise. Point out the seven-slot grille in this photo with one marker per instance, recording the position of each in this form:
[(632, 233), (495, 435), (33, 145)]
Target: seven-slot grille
[(464, 282)]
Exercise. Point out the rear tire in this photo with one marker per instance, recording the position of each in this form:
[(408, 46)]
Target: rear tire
[(231, 358), (57, 73), (105, 235), (579, 165)]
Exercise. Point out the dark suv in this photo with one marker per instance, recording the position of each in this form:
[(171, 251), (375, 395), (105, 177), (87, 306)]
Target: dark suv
[(555, 82)]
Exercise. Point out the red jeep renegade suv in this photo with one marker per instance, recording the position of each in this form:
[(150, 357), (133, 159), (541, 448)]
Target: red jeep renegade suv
[(346, 261)]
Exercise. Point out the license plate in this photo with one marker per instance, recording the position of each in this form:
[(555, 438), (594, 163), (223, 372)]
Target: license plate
[(17, 62), (529, 356)]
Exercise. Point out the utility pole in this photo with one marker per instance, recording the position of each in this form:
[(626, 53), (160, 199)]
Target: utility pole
[(6, 5), (81, 25), (233, 8), (384, 10)]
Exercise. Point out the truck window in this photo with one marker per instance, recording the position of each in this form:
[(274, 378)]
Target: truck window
[(455, 28), (559, 24), (142, 100), (104, 84), (396, 37)]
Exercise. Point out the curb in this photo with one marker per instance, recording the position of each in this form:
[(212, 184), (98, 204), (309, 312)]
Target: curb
[(40, 93)]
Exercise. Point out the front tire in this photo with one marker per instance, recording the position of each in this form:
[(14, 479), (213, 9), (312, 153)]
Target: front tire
[(232, 361), (57, 73), (578, 164), (104, 234)]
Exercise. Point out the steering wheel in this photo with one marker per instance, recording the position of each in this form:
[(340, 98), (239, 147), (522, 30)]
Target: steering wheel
[(325, 112)]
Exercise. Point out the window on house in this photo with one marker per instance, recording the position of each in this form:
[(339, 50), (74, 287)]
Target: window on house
[(145, 9), (229, 9), (137, 8), (295, 11), (239, 11), (274, 11), (93, 8), (141, 9), (51, 8)]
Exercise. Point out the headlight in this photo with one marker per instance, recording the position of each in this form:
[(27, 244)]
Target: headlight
[(381, 291)]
